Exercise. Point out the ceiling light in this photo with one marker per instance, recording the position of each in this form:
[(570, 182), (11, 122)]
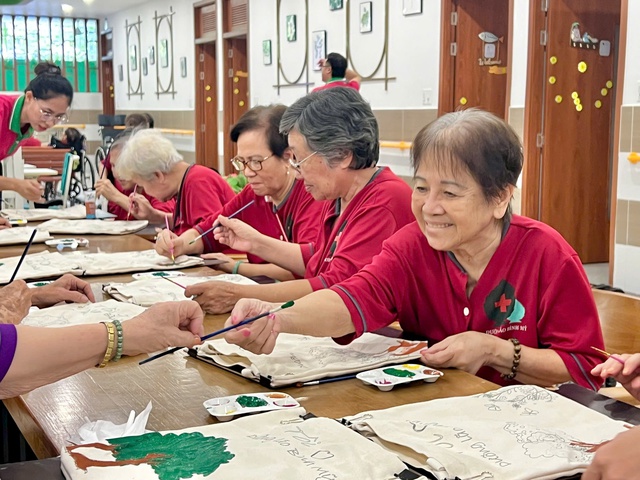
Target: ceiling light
[(66, 8)]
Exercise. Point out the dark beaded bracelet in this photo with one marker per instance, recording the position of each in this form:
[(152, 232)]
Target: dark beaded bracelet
[(119, 338), (516, 360)]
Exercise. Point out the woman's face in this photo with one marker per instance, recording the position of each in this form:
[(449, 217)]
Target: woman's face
[(44, 114), (160, 186), (320, 180), (273, 177), (452, 211)]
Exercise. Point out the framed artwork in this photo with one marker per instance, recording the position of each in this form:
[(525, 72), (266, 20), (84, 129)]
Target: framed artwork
[(319, 45), (152, 55), (145, 67), (133, 58), (163, 53), (365, 17), (121, 73), (335, 4), (183, 66), (411, 7), (266, 52), (292, 33)]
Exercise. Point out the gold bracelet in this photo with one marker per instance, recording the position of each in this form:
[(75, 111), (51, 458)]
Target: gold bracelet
[(516, 360), (111, 342)]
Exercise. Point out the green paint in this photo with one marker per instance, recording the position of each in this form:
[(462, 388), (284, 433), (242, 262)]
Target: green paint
[(174, 456), (160, 274), (247, 401), (40, 284), (396, 372)]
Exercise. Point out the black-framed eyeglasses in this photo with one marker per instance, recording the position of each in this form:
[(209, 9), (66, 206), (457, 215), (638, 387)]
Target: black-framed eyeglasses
[(296, 165), (254, 164), (48, 116)]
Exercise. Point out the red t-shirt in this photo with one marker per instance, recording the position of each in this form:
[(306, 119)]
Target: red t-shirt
[(338, 83), (348, 242), (533, 289), (202, 194), (11, 135), (298, 215)]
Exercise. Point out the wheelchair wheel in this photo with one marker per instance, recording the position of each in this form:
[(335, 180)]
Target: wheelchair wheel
[(88, 179)]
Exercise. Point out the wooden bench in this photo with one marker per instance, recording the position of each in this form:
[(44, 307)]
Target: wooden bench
[(44, 157)]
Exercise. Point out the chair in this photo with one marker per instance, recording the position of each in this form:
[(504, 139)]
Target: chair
[(58, 187)]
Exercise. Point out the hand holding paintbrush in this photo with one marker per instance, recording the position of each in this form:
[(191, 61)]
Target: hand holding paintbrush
[(624, 368)]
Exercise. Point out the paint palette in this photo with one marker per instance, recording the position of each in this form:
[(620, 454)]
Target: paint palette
[(41, 283), (386, 378), (158, 274), (225, 408), (72, 243)]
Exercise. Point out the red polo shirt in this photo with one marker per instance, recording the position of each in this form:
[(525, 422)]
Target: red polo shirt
[(533, 289), (340, 82), (11, 135)]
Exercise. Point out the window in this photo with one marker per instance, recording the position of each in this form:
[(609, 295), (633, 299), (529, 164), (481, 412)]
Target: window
[(72, 44)]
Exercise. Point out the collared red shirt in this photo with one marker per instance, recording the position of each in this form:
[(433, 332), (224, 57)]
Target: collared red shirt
[(11, 135), (338, 82)]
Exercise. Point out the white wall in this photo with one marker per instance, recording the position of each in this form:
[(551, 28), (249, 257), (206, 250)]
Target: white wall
[(415, 68), (520, 39)]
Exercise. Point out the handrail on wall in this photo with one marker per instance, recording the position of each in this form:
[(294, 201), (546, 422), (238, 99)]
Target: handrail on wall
[(399, 145), (70, 125)]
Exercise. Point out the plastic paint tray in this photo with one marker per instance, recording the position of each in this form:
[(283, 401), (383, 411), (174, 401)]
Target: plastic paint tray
[(159, 274), (386, 378), (67, 242), (225, 408)]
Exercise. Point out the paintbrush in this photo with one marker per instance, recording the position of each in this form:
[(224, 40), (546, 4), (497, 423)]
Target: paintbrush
[(216, 225), (24, 254), (222, 330), (609, 355), (166, 222), (174, 282), (325, 380), (135, 190)]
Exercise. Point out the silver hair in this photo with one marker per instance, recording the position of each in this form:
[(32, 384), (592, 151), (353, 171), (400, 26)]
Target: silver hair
[(145, 153), (335, 123)]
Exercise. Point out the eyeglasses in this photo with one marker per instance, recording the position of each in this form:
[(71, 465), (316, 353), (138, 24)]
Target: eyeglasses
[(296, 165), (48, 116), (254, 164)]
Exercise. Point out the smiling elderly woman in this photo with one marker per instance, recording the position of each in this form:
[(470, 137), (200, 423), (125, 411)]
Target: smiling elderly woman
[(499, 296), (150, 161)]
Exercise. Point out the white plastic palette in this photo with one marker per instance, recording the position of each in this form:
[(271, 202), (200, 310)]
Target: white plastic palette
[(225, 408), (71, 243), (386, 378), (160, 274)]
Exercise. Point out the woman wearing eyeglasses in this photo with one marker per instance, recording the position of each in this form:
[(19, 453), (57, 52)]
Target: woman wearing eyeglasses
[(333, 135), (281, 206), (44, 104)]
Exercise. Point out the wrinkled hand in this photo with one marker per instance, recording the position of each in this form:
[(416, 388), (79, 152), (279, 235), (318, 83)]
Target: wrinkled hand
[(258, 337), (163, 325), (141, 207), (628, 374), (466, 351), (226, 267), (617, 459), (237, 234), (105, 188), (215, 296), (68, 289), (166, 240), (30, 189), (15, 301), (4, 223)]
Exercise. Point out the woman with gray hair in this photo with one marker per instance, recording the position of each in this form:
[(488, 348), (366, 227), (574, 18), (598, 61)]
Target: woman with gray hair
[(149, 160), (333, 136), (501, 296)]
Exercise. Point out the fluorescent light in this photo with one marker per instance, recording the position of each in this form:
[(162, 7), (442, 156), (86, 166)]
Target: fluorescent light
[(66, 8)]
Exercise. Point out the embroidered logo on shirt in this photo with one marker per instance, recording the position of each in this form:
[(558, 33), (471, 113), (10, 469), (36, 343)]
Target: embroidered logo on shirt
[(501, 305)]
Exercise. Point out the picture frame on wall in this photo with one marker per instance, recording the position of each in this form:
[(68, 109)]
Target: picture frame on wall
[(121, 73), (292, 32), (411, 7), (366, 24), (183, 67), (319, 48), (152, 55), (336, 4), (266, 52), (133, 58), (163, 53), (145, 67)]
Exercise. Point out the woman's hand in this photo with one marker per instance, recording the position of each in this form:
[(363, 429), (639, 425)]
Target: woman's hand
[(67, 289), (15, 301), (30, 189), (237, 234), (628, 374), (105, 188), (163, 325), (467, 351), (166, 241), (4, 223), (214, 297), (616, 459), (226, 265), (258, 337)]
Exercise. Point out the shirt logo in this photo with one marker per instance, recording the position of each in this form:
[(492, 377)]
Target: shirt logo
[(502, 306)]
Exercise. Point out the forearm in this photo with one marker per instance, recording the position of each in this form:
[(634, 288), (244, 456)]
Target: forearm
[(45, 355), (268, 269), (121, 200), (322, 314), (284, 254), (8, 183), (195, 248), (351, 75), (276, 292), (538, 366)]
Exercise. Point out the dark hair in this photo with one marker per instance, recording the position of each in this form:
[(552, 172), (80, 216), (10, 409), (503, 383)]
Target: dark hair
[(136, 120), (263, 118), (334, 123), (477, 141), (338, 65), (49, 83), (72, 134), (150, 120)]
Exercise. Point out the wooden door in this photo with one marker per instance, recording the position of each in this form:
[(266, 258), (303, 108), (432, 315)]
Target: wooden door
[(474, 55), (108, 92), (236, 91), (570, 107), (206, 106)]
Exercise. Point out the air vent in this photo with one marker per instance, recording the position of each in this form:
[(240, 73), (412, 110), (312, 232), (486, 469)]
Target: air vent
[(239, 14)]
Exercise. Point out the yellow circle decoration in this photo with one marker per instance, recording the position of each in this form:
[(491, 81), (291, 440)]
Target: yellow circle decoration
[(582, 67), (579, 107), (235, 79), (241, 103), (553, 60), (552, 80), (463, 100), (609, 84), (576, 101), (598, 104), (574, 95), (604, 92), (558, 98), (236, 91)]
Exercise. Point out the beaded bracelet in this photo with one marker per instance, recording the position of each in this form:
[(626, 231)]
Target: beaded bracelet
[(516, 360), (111, 341), (119, 338), (236, 267)]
